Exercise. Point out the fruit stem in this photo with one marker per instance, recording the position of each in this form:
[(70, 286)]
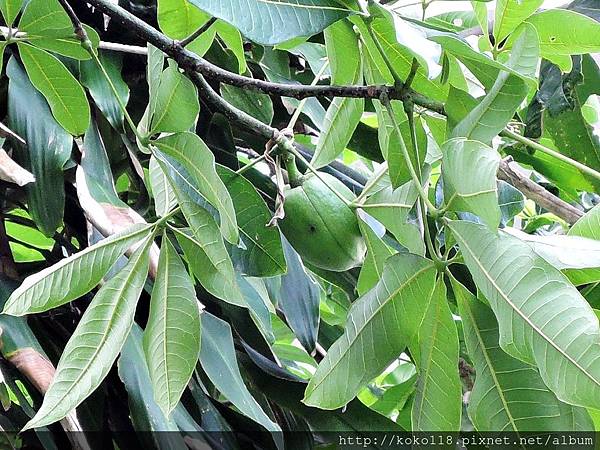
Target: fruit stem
[(295, 177)]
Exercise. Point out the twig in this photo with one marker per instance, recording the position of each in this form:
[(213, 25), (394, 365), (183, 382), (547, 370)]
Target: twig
[(77, 25), (537, 193), (196, 34)]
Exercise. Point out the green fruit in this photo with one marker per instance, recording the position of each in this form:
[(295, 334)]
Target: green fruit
[(320, 227)]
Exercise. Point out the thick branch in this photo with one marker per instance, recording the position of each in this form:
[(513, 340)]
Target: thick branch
[(537, 193), (192, 62)]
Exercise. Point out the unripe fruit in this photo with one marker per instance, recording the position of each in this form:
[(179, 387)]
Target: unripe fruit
[(320, 227)]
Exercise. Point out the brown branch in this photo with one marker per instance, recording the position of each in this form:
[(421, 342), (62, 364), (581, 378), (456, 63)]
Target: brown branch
[(191, 62), (537, 193)]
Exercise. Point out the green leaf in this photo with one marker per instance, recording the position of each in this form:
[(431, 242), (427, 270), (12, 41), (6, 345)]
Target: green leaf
[(95, 81), (72, 277), (377, 254), (206, 253), (64, 94), (48, 148), (199, 162), (497, 108), (387, 28), (374, 327), (582, 35), (218, 360), (96, 342), (438, 397), (275, 21), (45, 18), (263, 252), (510, 14), (68, 46), (508, 394), (343, 52), (172, 335), (176, 107), (543, 318), (257, 104), (10, 9), (164, 197), (476, 194)]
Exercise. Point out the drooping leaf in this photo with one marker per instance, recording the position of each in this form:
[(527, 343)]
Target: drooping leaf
[(343, 52), (71, 277), (508, 394), (275, 21), (497, 108), (48, 148), (262, 255), (218, 360), (199, 163), (377, 253), (298, 297), (63, 92), (257, 104), (543, 319), (476, 194), (93, 79), (374, 327), (438, 397), (69, 46), (96, 342), (172, 335), (164, 197), (176, 106)]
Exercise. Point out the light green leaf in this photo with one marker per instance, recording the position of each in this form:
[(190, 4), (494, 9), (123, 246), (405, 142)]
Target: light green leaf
[(63, 92), (263, 252), (68, 46), (176, 108), (543, 318), (45, 18), (478, 193), (497, 108), (508, 394), (562, 32), (207, 256), (96, 342), (257, 104), (275, 21), (438, 397), (218, 359), (10, 9), (72, 277), (510, 14), (164, 197), (172, 335), (343, 52), (374, 327), (199, 163), (377, 254)]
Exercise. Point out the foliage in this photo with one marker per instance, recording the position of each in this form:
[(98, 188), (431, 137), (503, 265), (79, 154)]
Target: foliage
[(315, 215)]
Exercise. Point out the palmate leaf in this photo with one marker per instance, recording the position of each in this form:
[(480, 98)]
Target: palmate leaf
[(510, 14), (172, 335), (476, 194), (543, 318), (508, 394), (10, 9), (438, 398), (380, 325), (202, 179), (63, 92), (96, 342), (71, 277), (497, 108), (274, 21)]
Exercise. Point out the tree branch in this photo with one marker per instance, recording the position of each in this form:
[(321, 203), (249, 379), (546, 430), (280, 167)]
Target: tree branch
[(537, 193), (191, 62)]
